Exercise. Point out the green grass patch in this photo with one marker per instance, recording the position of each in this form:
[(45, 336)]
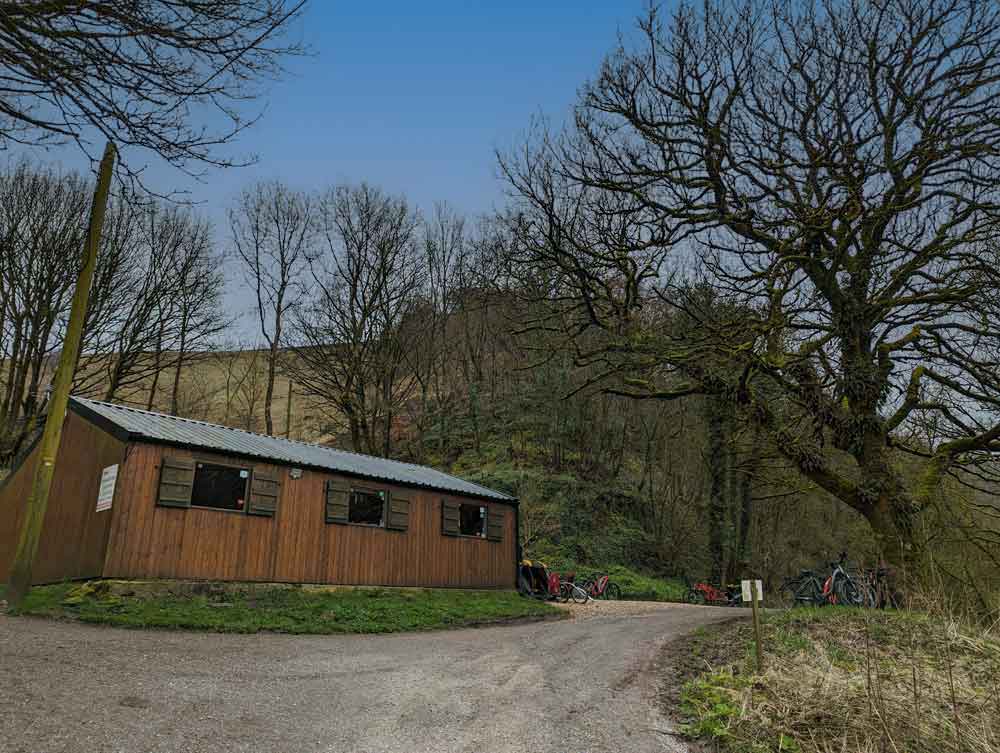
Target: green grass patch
[(303, 610), (641, 587), (635, 585)]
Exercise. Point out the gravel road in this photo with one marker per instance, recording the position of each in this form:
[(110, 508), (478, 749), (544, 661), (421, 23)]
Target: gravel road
[(584, 684)]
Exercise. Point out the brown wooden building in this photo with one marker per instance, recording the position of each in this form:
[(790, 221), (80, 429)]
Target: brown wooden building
[(145, 495)]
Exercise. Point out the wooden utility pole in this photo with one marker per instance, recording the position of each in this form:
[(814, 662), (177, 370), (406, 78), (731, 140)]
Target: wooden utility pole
[(38, 501)]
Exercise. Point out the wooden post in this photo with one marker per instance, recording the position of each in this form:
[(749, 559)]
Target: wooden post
[(755, 593), (38, 500)]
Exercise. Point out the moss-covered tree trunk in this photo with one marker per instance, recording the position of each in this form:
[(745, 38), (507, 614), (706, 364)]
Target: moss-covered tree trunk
[(717, 508)]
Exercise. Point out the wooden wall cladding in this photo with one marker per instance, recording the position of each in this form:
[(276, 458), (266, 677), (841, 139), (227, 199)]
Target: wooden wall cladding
[(74, 534), (296, 545)]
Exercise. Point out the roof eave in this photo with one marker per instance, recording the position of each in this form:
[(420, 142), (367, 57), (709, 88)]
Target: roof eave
[(319, 469), (117, 431), (124, 435)]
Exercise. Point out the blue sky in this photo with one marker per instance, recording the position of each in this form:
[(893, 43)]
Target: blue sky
[(415, 96), (411, 96)]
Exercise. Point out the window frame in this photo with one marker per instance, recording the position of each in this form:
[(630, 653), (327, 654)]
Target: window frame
[(484, 509), (384, 493), (222, 464)]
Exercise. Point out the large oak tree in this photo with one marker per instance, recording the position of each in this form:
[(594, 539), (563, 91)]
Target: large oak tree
[(832, 170)]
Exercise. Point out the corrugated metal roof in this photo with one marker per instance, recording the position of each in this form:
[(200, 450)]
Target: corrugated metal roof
[(141, 424)]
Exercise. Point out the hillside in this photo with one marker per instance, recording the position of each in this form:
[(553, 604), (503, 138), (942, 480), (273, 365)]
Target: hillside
[(606, 484)]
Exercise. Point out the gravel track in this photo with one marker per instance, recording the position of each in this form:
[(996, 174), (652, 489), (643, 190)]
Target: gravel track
[(583, 684)]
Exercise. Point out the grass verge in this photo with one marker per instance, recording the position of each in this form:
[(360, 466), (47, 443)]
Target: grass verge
[(251, 609), (635, 585), (641, 587), (841, 680)]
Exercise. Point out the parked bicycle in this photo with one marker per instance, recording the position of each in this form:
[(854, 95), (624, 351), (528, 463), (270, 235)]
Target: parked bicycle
[(601, 587), (841, 588), (866, 589), (570, 591), (805, 589), (706, 593)]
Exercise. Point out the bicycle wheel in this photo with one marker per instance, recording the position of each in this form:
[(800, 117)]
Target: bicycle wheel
[(565, 592), (848, 593), (809, 592), (694, 596), (788, 589), (612, 592), (579, 595)]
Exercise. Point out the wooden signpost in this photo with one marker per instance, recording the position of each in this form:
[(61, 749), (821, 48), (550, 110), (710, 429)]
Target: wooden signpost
[(753, 591)]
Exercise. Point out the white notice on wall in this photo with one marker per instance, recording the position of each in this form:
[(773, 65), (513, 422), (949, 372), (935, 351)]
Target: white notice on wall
[(749, 586), (107, 491)]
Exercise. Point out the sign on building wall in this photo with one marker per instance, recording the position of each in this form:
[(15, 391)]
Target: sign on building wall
[(107, 491)]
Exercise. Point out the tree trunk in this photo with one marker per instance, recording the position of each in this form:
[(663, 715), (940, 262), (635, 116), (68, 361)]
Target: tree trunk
[(387, 407), (181, 352), (157, 356), (893, 521), (114, 380), (717, 517), (746, 500), (272, 368)]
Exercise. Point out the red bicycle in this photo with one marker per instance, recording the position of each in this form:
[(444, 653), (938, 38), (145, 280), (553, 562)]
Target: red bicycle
[(706, 593), (601, 587)]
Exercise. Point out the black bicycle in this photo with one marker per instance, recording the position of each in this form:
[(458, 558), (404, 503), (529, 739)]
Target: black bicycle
[(805, 589), (840, 588)]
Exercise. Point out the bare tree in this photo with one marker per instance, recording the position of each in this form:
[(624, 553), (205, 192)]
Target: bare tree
[(197, 286), (117, 330), (430, 325), (833, 167), (156, 294), (147, 75), (156, 298), (273, 235), (349, 345), (40, 227), (249, 386)]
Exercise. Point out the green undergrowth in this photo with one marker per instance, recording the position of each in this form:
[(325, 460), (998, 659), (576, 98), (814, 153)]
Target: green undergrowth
[(234, 609), (635, 586), (591, 527), (842, 680)]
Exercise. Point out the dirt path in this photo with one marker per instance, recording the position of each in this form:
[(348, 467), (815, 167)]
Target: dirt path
[(585, 684)]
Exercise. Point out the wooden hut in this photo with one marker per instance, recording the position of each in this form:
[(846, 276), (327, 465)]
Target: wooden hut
[(144, 495)]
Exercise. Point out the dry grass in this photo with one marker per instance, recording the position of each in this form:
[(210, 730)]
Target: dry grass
[(853, 681)]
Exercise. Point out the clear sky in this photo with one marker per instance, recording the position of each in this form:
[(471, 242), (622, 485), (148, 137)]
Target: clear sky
[(413, 97)]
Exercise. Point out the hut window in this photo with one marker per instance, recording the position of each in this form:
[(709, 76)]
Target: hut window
[(472, 520), (366, 508), (223, 487)]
